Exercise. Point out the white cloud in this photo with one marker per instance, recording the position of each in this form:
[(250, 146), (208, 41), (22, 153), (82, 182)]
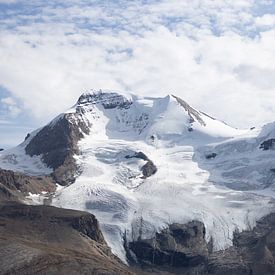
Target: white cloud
[(11, 107), (265, 20), (200, 50), (8, 101)]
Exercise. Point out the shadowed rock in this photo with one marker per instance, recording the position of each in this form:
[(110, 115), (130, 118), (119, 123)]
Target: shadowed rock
[(177, 246), (147, 169), (253, 251), (268, 144), (211, 156), (182, 249), (107, 100), (57, 143)]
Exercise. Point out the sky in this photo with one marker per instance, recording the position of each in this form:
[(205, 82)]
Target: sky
[(217, 55)]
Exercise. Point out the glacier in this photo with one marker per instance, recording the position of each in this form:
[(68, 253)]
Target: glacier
[(206, 170)]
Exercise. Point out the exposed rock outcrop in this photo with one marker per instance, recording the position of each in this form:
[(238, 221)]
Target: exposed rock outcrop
[(210, 156), (14, 185), (49, 240), (182, 249), (268, 144), (193, 114), (57, 143), (257, 247), (177, 246), (108, 100), (149, 168)]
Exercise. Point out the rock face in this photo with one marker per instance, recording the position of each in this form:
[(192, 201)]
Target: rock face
[(177, 246), (149, 168), (211, 156), (14, 185), (253, 251), (193, 114), (182, 249), (49, 240), (108, 100), (268, 144), (57, 143)]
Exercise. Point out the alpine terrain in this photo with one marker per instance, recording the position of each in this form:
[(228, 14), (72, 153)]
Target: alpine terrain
[(174, 190)]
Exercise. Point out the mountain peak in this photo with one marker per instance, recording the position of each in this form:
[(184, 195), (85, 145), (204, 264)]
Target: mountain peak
[(108, 99)]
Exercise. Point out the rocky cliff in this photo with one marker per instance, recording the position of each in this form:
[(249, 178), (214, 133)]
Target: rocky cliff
[(15, 186), (182, 249), (49, 240), (57, 143)]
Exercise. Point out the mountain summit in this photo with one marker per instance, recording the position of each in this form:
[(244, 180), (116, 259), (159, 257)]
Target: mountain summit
[(142, 164)]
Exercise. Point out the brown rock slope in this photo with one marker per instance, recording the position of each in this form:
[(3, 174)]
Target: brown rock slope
[(49, 240), (14, 186)]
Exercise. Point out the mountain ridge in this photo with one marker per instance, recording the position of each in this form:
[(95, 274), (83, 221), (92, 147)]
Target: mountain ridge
[(197, 167)]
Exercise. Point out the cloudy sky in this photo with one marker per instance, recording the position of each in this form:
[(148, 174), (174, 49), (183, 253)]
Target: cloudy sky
[(219, 55)]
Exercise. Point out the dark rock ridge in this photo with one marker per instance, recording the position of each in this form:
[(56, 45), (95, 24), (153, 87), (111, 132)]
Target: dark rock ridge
[(1, 149), (149, 168), (177, 246), (210, 156), (253, 251), (107, 100), (57, 143), (268, 144), (139, 155), (193, 114), (182, 249), (14, 185), (49, 240)]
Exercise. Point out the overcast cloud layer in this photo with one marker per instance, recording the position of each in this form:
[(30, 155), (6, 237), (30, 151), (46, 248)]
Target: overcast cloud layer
[(217, 55)]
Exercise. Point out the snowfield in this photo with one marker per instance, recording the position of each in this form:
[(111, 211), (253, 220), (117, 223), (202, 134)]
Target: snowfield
[(206, 170), (17, 160)]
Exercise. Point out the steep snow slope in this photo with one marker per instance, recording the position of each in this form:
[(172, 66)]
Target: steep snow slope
[(17, 160), (176, 138)]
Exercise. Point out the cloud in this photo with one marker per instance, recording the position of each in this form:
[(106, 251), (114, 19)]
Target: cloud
[(7, 1), (262, 78), (218, 55), (10, 106), (266, 20), (8, 101), (5, 122)]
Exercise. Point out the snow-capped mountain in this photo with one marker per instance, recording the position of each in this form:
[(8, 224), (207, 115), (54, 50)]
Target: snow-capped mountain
[(140, 164)]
